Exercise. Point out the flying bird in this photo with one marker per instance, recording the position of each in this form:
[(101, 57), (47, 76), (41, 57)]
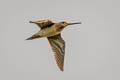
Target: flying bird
[(52, 31)]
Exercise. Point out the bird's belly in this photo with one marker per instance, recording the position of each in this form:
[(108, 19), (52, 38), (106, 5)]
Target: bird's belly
[(48, 32)]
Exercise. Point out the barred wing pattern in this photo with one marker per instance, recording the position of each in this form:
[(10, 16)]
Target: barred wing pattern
[(58, 46), (44, 23)]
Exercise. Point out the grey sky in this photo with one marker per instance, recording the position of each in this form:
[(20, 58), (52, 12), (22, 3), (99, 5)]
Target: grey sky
[(93, 54)]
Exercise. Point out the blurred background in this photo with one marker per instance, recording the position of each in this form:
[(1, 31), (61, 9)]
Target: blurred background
[(92, 54)]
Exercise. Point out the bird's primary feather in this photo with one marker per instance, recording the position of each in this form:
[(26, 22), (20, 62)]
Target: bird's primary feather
[(58, 46)]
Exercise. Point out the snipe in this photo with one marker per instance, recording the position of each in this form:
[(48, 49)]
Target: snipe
[(52, 31)]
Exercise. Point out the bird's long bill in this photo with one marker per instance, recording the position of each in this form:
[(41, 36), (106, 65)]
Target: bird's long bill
[(74, 23)]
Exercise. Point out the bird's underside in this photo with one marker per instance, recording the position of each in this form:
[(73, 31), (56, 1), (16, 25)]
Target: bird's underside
[(56, 42)]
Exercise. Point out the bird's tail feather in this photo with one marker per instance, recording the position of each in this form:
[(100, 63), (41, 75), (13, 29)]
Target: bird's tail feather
[(33, 37)]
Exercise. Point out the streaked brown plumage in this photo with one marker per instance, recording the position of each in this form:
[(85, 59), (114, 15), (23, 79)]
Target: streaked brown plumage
[(52, 31)]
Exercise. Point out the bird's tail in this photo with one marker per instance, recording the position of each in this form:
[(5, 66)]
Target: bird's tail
[(33, 37)]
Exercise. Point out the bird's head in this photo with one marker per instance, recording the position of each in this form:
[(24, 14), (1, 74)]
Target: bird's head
[(64, 24)]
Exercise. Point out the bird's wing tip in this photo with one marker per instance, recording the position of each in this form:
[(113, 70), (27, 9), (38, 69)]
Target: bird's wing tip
[(62, 70)]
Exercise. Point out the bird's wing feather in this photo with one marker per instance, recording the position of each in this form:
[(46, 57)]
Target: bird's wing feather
[(45, 23), (58, 46)]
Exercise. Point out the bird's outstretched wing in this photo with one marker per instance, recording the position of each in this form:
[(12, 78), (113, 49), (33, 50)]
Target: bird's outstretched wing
[(43, 23), (58, 46)]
